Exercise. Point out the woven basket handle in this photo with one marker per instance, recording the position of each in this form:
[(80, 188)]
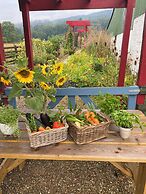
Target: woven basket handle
[(105, 116)]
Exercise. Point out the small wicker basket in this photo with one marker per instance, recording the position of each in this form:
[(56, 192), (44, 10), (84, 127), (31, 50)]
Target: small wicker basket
[(91, 133), (47, 137)]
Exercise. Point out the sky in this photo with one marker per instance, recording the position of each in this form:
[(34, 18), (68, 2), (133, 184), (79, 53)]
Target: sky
[(9, 11)]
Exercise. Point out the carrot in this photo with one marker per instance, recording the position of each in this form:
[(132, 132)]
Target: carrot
[(96, 121), (90, 116), (41, 129)]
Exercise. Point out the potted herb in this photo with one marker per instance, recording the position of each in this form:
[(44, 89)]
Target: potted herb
[(9, 120), (125, 121), (108, 103)]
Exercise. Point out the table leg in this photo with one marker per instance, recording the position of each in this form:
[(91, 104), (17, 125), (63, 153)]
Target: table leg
[(141, 179), (7, 165)]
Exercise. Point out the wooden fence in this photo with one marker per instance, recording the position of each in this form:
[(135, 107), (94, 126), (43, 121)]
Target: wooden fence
[(11, 53)]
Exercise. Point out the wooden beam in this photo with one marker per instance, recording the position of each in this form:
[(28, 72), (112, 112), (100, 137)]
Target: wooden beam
[(142, 66), (125, 42), (8, 165), (27, 34), (2, 53), (84, 23), (141, 179), (122, 168), (2, 56), (37, 5)]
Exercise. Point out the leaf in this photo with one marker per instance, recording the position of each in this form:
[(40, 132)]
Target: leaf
[(52, 98), (34, 103), (15, 91), (39, 77)]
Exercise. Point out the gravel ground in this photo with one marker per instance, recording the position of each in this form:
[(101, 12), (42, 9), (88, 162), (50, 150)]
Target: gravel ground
[(67, 177)]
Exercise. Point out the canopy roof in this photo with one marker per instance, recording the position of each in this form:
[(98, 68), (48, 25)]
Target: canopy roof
[(117, 22), (38, 5)]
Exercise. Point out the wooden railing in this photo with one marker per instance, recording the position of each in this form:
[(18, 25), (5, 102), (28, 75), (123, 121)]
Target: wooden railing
[(86, 93), (11, 53)]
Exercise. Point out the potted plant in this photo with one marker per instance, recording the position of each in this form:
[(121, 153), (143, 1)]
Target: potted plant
[(9, 120), (125, 121), (109, 103)]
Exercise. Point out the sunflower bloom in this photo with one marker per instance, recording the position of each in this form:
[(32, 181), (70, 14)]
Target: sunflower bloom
[(60, 81), (45, 86), (58, 68), (45, 69), (24, 75), (6, 82)]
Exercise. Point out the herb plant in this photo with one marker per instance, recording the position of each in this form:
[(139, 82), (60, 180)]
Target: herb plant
[(109, 103), (9, 115), (125, 119)]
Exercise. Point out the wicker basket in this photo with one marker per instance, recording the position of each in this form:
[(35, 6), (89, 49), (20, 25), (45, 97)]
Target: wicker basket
[(91, 133), (47, 137)]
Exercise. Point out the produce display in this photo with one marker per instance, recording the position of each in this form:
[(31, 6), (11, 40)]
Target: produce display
[(45, 122), (84, 118)]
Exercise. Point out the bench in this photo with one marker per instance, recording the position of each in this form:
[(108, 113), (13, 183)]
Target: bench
[(112, 149)]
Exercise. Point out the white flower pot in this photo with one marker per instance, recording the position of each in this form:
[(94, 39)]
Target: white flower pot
[(7, 130), (125, 132)]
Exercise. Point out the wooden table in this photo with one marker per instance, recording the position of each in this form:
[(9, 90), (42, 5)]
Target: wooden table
[(112, 149)]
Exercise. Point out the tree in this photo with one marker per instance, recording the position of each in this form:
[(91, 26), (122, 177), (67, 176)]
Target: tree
[(11, 33)]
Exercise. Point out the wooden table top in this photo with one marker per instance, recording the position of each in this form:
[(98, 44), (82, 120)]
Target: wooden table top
[(112, 148)]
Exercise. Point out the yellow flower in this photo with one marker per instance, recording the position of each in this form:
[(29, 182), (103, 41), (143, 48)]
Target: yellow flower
[(45, 86), (24, 75), (45, 69), (58, 68), (60, 81), (6, 82)]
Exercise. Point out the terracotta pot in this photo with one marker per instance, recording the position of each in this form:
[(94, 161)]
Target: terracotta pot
[(125, 132)]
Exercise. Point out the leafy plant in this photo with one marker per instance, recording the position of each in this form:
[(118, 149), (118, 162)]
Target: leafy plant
[(9, 115), (37, 85), (125, 119), (109, 103)]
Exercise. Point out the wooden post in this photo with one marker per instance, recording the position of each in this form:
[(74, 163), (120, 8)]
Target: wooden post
[(27, 33), (2, 56), (141, 180), (142, 66), (125, 42), (2, 53)]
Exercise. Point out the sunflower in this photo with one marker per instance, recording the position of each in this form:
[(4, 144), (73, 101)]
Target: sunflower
[(45, 69), (6, 82), (24, 75), (45, 86), (60, 81), (58, 68)]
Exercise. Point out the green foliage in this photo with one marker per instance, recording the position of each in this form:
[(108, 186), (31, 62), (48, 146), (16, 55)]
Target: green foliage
[(81, 69), (109, 103), (125, 119), (44, 31), (11, 33), (44, 51), (9, 115)]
